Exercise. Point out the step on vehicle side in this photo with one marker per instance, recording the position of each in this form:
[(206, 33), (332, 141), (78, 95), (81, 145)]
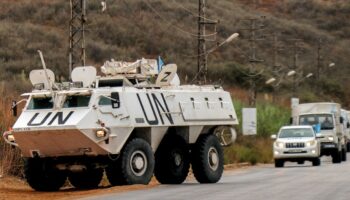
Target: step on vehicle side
[(121, 124)]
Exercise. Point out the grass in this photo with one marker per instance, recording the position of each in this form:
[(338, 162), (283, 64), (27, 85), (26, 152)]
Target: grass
[(257, 149)]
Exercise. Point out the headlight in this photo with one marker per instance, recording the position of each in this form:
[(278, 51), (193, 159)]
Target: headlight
[(331, 138), (310, 143), (279, 144), (100, 133), (11, 138)]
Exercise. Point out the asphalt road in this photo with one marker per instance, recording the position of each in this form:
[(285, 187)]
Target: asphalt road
[(299, 182)]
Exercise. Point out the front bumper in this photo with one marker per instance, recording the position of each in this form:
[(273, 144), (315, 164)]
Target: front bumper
[(328, 145), (55, 143), (286, 153)]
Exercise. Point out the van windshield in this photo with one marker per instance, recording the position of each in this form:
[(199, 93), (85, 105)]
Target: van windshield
[(296, 132), (38, 103), (325, 120), (75, 101)]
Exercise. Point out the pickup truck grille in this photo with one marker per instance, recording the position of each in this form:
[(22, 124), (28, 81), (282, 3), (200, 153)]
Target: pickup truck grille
[(295, 145)]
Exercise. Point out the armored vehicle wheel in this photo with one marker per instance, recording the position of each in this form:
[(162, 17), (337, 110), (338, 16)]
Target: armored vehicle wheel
[(41, 175), (172, 160), (336, 157), (316, 162), (137, 162), (279, 163), (87, 179), (207, 159), (114, 173), (301, 162), (343, 154)]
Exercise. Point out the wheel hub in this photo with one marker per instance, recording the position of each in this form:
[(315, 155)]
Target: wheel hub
[(213, 158), (177, 159), (138, 163)]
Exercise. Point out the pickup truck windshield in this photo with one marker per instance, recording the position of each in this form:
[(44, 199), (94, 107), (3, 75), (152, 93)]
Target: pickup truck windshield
[(37, 103), (297, 132), (326, 120), (77, 101)]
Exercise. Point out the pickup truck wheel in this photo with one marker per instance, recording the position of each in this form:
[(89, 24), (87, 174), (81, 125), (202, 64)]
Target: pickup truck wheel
[(172, 160), (279, 163), (137, 162), (42, 175), (336, 157), (316, 162), (207, 159), (86, 179), (343, 155)]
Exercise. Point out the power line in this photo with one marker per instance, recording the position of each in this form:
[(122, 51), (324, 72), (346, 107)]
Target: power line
[(173, 24), (192, 13)]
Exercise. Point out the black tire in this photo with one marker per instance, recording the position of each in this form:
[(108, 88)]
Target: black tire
[(42, 175), (172, 160), (316, 162), (343, 155), (279, 163), (207, 159), (336, 157), (114, 173), (301, 162), (136, 162), (86, 179)]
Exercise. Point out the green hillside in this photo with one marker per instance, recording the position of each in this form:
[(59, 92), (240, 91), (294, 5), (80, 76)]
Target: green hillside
[(131, 29)]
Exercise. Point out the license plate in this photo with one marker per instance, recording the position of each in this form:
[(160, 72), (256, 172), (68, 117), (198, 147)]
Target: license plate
[(329, 145), (295, 150)]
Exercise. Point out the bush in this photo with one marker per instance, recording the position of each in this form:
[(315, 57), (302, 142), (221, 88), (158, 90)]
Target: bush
[(271, 118), (249, 149)]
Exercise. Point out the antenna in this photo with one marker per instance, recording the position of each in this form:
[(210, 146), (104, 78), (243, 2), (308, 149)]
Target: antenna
[(45, 71), (77, 34)]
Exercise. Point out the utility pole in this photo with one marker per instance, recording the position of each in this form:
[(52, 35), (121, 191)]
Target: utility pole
[(319, 58), (276, 49), (202, 50), (77, 34), (296, 47), (253, 31)]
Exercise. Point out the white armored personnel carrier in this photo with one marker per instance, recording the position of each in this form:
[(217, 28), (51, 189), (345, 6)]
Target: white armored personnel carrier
[(122, 124)]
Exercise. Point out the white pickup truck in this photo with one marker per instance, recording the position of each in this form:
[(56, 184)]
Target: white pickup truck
[(296, 144)]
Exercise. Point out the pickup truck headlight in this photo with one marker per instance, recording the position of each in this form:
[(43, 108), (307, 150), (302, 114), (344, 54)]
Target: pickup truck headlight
[(279, 144), (310, 143), (331, 138)]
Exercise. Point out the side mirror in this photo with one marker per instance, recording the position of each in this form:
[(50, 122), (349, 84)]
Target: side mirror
[(341, 119), (274, 137), (348, 125), (319, 135), (14, 108)]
